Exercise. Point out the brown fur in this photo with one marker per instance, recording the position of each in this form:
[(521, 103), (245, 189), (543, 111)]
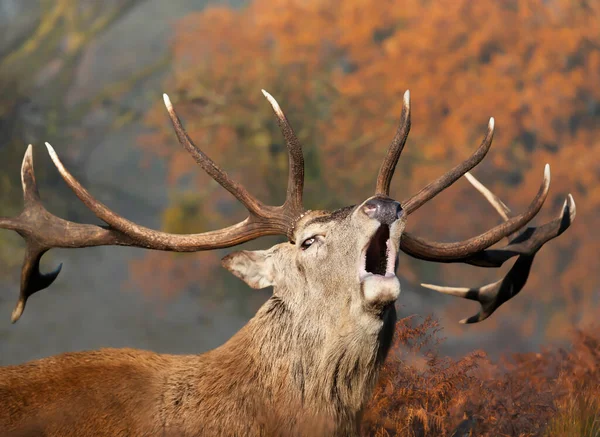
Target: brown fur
[(306, 364)]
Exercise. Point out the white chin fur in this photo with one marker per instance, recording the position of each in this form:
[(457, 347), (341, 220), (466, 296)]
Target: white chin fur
[(380, 289)]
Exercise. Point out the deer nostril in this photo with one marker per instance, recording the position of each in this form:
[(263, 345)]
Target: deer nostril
[(383, 210), (370, 210), (399, 211)]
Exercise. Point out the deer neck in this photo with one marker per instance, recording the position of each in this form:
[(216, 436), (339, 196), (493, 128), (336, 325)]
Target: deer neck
[(300, 365)]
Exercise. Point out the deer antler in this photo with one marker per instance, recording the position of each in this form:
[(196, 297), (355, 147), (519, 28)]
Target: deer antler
[(525, 244), (43, 231), (458, 251), (522, 242)]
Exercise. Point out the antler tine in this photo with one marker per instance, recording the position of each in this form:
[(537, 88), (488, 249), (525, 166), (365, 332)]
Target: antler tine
[(31, 194), (296, 159), (434, 188), (526, 245), (32, 279), (386, 172), (459, 251), (250, 202), (496, 203)]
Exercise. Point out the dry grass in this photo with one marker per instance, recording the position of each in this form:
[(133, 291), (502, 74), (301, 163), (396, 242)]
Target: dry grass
[(577, 416), (552, 393)]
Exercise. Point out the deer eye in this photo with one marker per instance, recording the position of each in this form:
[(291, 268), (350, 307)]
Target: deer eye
[(307, 243)]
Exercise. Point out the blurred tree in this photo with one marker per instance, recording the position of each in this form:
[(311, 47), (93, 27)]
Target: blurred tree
[(40, 57), (339, 71)]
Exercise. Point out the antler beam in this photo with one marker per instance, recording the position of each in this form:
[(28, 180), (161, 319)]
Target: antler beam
[(458, 251)]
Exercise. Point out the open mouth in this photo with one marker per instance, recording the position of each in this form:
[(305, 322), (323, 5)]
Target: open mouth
[(379, 257)]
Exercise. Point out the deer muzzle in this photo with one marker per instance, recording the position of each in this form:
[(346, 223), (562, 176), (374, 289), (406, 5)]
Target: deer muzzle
[(383, 209), (377, 273)]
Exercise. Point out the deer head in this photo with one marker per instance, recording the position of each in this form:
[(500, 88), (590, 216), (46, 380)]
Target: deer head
[(334, 260), (334, 281)]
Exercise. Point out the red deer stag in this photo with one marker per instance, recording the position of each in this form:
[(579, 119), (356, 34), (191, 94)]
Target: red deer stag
[(308, 359)]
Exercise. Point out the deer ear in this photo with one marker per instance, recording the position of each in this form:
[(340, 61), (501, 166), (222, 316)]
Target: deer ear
[(255, 268)]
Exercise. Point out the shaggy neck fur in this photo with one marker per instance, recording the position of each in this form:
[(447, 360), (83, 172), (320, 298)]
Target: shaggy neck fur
[(287, 374)]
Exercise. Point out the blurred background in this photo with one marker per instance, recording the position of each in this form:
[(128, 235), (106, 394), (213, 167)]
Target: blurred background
[(87, 76)]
